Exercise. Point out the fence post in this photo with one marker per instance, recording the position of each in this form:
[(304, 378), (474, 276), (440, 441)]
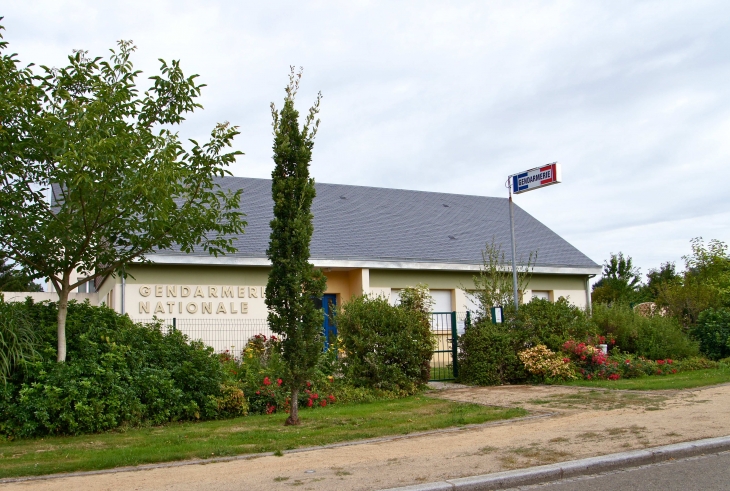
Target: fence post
[(454, 345), (467, 322), (174, 323)]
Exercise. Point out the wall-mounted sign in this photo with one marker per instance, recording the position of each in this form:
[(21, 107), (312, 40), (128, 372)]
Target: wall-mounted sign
[(536, 178), (199, 300), (497, 315)]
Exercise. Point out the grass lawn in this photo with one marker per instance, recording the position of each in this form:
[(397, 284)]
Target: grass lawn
[(682, 380), (246, 435)]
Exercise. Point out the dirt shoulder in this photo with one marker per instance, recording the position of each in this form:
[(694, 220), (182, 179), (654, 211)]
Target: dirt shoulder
[(577, 423)]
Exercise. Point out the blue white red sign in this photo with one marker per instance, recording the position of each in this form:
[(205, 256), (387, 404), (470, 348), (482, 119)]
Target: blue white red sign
[(536, 178)]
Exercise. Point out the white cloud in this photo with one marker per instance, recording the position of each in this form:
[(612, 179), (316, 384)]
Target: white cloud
[(632, 97)]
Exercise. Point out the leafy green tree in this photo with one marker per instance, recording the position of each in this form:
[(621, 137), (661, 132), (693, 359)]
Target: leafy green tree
[(13, 279), (659, 279), (493, 284), (704, 284), (293, 283), (620, 281), (121, 183)]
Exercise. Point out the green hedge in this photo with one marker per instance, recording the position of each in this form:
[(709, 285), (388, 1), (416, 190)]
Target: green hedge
[(488, 352), (655, 337), (386, 347), (713, 333), (117, 373)]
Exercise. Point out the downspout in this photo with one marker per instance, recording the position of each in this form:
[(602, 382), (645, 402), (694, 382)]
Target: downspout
[(589, 307), (124, 284)]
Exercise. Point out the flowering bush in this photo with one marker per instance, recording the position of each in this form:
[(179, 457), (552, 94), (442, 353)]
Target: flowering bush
[(591, 361), (262, 370), (546, 364)]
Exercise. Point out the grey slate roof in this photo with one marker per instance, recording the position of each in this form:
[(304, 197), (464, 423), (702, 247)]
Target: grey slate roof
[(378, 224)]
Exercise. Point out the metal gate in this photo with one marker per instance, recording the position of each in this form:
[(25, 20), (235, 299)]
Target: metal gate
[(445, 360)]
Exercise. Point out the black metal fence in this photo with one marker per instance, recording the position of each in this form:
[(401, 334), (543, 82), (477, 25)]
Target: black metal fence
[(446, 327)]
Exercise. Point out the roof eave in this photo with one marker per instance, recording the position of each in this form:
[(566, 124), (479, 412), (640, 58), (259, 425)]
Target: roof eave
[(193, 260)]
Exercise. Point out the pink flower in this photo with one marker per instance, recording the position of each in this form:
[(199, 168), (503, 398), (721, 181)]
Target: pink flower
[(279, 382)]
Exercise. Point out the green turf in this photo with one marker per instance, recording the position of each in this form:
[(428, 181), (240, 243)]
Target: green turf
[(246, 435), (682, 380)]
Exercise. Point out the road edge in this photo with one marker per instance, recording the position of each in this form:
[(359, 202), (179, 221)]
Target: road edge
[(574, 468)]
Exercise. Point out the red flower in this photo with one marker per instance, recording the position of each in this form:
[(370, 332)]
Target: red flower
[(613, 341), (566, 360), (670, 361), (309, 384), (315, 396), (660, 362), (323, 402), (279, 381), (588, 376), (309, 402), (258, 392), (613, 376), (674, 370), (628, 362), (331, 398), (267, 381)]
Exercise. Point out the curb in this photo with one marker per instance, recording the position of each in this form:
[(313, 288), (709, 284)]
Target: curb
[(574, 468)]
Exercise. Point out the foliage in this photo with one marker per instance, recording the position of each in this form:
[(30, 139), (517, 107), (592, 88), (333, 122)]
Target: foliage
[(117, 374), (713, 333), (591, 361), (704, 284), (653, 337), (620, 281), (546, 365), (551, 323), (493, 284), (293, 282), (18, 340), (489, 352), (86, 135), (13, 279), (387, 347), (659, 280)]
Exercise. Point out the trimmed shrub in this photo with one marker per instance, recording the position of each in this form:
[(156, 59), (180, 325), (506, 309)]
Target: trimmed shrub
[(488, 355), (489, 352), (552, 323), (713, 333), (117, 373), (386, 347), (654, 337)]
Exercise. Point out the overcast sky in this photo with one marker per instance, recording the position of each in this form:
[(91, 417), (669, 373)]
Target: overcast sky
[(630, 97)]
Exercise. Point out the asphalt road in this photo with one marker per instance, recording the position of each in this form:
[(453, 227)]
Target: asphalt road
[(706, 473)]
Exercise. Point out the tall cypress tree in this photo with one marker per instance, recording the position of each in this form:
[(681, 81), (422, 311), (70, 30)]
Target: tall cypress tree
[(293, 283)]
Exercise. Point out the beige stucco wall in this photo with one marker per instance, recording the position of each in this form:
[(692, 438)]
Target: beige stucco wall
[(237, 292)]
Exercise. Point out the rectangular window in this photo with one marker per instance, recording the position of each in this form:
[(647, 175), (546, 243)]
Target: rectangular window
[(542, 295)]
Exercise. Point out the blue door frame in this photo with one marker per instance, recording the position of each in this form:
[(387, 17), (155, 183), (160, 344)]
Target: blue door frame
[(329, 303)]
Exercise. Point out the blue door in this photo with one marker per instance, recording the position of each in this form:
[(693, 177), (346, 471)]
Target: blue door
[(329, 303)]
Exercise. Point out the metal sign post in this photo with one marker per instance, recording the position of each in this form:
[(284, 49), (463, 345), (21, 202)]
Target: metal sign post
[(522, 182)]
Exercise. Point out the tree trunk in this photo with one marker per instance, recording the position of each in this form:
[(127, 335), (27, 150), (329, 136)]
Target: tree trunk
[(62, 312), (293, 418)]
